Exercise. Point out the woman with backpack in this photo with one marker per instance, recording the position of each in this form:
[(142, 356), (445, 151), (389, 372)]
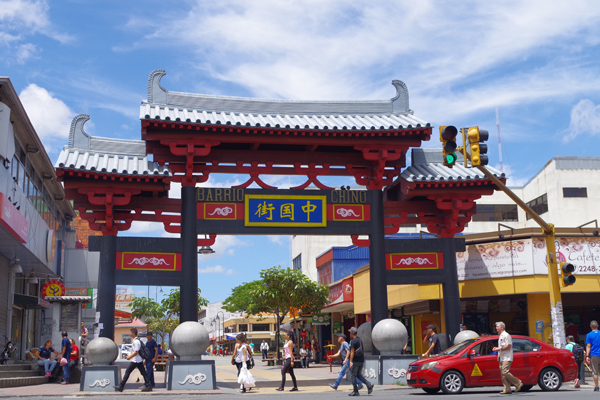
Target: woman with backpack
[(577, 352)]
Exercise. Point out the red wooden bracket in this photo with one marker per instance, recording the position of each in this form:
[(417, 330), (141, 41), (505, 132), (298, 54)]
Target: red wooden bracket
[(168, 221), (360, 242), (207, 241), (254, 170), (312, 172)]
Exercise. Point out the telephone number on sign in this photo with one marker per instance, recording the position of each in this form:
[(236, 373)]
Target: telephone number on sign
[(586, 268)]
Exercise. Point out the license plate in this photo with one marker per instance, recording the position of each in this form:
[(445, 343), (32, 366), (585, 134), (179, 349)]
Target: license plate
[(408, 376)]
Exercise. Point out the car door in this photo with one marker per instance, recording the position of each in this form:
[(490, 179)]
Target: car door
[(527, 357), (485, 370)]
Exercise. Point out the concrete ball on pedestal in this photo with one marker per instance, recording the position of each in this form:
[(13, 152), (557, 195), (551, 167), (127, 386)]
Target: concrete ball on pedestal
[(464, 335), (364, 333), (389, 336), (189, 341), (101, 351)]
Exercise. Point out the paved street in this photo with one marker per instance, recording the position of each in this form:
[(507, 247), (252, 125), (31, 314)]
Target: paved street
[(310, 381)]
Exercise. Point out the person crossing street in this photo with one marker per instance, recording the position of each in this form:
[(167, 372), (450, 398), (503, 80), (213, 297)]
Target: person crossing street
[(505, 357), (136, 362)]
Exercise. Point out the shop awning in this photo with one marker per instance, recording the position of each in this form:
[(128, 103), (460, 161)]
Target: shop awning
[(30, 302), (69, 299)]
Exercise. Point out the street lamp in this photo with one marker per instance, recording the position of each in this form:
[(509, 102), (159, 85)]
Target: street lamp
[(222, 320)]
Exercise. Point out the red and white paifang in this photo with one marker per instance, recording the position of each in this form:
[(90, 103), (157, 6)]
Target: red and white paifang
[(398, 261), (149, 261), (219, 210), (223, 211)]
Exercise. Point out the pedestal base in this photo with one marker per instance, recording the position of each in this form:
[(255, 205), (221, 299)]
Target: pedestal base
[(394, 369), (191, 375), (370, 369), (101, 378)]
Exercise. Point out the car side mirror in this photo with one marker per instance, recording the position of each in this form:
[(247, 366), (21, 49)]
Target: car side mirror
[(471, 353)]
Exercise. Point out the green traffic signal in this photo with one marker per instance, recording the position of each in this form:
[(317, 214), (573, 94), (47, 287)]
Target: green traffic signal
[(448, 139)]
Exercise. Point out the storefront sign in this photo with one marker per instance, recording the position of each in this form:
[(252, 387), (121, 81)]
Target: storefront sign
[(539, 326), (341, 292), (583, 253), (320, 319), (51, 246), (281, 210), (350, 314), (123, 304), (149, 261), (404, 261), (81, 292), (496, 260), (12, 220), (53, 288), (337, 328)]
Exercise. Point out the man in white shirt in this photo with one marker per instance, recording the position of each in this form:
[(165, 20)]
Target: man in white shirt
[(264, 347), (505, 357), (136, 362)]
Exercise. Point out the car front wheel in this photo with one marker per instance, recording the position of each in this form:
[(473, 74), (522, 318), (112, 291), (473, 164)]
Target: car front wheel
[(452, 382), (550, 379)]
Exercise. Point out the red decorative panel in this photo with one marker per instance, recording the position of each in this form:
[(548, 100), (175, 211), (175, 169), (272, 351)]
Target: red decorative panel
[(222, 211), (149, 261), (403, 261), (348, 212)]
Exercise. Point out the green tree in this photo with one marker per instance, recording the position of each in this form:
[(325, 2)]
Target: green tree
[(280, 291), (161, 318)]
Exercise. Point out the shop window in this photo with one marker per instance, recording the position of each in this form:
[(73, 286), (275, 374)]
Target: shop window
[(575, 192), (261, 328), (243, 327), (539, 205), (496, 212)]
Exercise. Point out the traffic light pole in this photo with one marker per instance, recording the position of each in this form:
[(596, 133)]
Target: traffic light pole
[(556, 309)]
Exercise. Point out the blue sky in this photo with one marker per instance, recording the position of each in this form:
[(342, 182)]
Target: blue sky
[(536, 61)]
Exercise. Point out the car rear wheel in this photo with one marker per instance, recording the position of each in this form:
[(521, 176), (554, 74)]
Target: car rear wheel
[(550, 379), (452, 382), (526, 388), (431, 390)]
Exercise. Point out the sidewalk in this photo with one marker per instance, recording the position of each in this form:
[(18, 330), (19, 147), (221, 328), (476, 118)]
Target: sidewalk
[(315, 379)]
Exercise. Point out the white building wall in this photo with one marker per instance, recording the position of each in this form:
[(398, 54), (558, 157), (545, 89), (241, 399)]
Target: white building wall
[(310, 247)]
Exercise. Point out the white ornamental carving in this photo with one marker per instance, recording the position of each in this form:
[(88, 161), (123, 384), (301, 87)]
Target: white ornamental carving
[(346, 212), (397, 373), (370, 373), (146, 260), (223, 211), (195, 379), (411, 260), (101, 383)]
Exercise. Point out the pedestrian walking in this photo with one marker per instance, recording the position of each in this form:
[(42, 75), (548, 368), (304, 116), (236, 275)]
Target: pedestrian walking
[(264, 348), (240, 356), (505, 358), (344, 352), (288, 351), (153, 348), (577, 352), (316, 351), (434, 342), (592, 352), (357, 359), (136, 362), (65, 356)]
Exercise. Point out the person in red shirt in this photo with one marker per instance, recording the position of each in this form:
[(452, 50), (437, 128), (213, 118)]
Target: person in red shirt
[(74, 360)]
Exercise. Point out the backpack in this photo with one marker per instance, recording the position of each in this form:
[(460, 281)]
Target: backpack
[(578, 353), (144, 352)]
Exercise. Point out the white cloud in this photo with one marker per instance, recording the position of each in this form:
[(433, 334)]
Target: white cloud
[(585, 119), (25, 52), (50, 116), (217, 269), (513, 178), (279, 239)]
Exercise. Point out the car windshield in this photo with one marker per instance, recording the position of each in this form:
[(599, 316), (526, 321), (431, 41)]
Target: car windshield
[(457, 348)]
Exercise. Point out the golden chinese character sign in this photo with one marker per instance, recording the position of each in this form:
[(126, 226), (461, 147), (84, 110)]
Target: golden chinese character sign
[(282, 210), (262, 211)]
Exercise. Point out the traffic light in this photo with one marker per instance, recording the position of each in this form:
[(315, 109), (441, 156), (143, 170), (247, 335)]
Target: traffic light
[(448, 138), (477, 148), (566, 270)]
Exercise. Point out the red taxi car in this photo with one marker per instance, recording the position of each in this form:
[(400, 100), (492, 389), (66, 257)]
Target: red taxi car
[(473, 363)]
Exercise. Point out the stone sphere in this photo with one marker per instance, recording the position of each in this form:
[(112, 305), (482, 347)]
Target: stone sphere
[(389, 336), (101, 351), (464, 335), (189, 341), (364, 333)]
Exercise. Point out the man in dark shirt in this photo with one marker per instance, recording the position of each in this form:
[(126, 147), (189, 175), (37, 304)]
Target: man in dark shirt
[(65, 353), (153, 348), (357, 359), (434, 342)]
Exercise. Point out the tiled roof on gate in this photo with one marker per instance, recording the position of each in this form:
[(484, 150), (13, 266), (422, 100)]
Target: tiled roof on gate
[(105, 155), (427, 166), (165, 105)]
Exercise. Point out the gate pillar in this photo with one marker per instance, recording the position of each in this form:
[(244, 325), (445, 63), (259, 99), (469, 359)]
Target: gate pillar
[(189, 256), (378, 285), (450, 290), (107, 288)]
